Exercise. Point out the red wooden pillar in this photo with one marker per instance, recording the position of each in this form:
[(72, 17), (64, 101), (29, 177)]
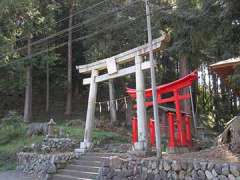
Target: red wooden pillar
[(184, 139), (188, 131), (178, 118), (134, 130), (171, 140), (152, 131)]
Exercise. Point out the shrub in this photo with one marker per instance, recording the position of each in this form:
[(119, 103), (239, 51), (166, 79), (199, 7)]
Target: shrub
[(11, 127)]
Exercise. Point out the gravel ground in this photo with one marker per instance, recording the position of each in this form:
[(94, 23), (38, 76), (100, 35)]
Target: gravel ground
[(14, 175)]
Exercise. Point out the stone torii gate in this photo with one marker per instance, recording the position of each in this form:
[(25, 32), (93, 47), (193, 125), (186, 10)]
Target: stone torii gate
[(113, 71)]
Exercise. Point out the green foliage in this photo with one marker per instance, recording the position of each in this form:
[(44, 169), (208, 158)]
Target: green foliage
[(8, 151), (11, 128)]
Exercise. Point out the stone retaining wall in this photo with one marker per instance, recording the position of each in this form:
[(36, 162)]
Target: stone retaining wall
[(154, 169), (42, 165), (43, 159)]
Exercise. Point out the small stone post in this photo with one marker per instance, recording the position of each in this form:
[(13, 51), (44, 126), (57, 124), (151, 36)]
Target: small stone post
[(51, 126)]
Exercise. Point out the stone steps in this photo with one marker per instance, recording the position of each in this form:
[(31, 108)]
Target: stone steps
[(85, 168), (76, 173), (66, 177), (87, 163)]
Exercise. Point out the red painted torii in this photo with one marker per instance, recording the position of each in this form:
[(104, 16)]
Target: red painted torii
[(175, 88)]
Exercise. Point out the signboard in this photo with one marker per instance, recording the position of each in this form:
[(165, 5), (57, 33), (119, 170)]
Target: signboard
[(111, 66)]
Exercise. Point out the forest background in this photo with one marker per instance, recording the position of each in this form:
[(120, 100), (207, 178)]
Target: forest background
[(41, 42)]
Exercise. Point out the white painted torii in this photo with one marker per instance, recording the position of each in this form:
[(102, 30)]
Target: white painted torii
[(111, 64)]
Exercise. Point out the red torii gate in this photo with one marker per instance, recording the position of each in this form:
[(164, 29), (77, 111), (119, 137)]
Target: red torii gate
[(176, 89)]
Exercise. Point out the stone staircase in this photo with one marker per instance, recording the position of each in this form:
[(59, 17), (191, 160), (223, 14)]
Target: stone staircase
[(85, 168)]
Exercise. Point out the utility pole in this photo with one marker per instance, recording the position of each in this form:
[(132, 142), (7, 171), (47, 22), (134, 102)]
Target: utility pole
[(153, 82)]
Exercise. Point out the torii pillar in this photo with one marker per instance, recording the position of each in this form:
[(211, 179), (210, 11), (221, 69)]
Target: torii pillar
[(87, 143), (142, 144)]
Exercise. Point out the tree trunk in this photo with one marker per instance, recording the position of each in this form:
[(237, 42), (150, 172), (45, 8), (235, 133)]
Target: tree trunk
[(183, 71), (113, 114), (28, 90), (47, 87), (69, 78)]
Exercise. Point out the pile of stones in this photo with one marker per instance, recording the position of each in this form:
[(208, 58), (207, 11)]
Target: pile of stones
[(53, 145), (152, 168)]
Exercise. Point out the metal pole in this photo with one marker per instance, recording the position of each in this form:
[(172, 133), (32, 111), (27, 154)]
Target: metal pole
[(193, 112), (153, 82)]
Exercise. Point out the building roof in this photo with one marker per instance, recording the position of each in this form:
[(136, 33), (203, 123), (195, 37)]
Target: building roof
[(226, 67)]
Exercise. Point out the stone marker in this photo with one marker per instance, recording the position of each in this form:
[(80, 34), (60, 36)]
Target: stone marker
[(51, 126)]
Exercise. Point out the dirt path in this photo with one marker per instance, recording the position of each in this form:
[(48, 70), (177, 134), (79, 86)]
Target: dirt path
[(14, 175)]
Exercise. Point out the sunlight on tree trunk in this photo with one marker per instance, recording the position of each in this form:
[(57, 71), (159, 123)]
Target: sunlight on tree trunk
[(28, 91), (69, 79)]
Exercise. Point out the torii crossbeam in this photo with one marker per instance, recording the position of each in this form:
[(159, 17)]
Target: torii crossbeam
[(113, 71)]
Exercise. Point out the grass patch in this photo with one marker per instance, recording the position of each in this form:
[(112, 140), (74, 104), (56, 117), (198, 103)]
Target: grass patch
[(99, 136), (8, 151)]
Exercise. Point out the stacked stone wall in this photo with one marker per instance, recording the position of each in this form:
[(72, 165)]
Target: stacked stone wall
[(42, 160), (154, 169)]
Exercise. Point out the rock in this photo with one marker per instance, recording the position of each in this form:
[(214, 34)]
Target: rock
[(222, 177), (234, 170), (154, 164), (104, 171), (174, 175), (208, 174), (214, 173), (169, 175), (231, 177), (160, 165), (210, 166), (218, 168), (163, 174), (115, 162), (188, 178), (238, 178), (51, 168), (203, 165), (144, 170), (195, 175), (225, 169), (182, 174), (190, 167), (184, 165), (157, 177), (155, 171), (201, 174), (166, 165), (196, 165), (106, 163), (176, 166)]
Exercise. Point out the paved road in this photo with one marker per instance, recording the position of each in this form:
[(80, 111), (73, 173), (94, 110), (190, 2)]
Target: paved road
[(14, 175)]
